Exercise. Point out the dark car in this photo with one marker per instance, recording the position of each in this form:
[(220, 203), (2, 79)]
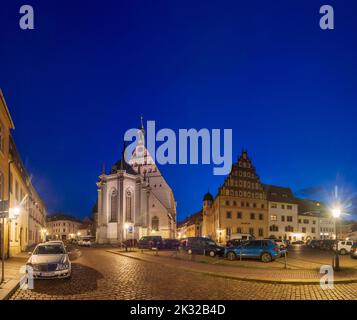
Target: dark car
[(201, 245), (298, 242), (313, 244), (170, 244), (149, 242), (353, 252), (264, 250), (327, 244)]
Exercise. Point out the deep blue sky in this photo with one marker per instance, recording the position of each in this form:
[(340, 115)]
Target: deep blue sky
[(263, 68)]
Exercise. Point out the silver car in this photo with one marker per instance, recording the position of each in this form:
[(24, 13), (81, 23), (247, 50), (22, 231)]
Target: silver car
[(50, 260)]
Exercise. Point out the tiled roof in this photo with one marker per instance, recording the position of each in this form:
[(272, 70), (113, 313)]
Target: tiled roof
[(279, 194)]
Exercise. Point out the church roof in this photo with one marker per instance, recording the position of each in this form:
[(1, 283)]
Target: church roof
[(123, 165), (208, 196)]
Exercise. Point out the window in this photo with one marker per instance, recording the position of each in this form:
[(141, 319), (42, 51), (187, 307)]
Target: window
[(128, 206), (262, 205), (114, 206), (283, 206), (260, 216), (252, 216), (242, 203), (289, 207), (229, 215), (283, 218), (289, 218), (155, 224), (273, 218), (274, 205), (239, 230), (313, 230), (11, 182), (227, 203), (239, 215), (289, 229), (274, 228), (303, 229), (306, 221), (228, 231), (260, 232)]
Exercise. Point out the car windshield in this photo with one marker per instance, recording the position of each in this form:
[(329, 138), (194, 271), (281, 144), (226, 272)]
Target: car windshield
[(50, 249)]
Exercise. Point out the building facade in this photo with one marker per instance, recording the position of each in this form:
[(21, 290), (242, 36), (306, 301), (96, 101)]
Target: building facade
[(282, 211), (239, 207), (62, 227), (6, 124), (134, 199), (191, 226)]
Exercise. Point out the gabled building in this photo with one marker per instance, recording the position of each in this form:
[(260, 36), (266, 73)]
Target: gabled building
[(283, 212), (240, 205)]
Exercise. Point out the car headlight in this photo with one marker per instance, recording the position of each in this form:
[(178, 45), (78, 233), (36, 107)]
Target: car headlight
[(62, 266), (35, 267)]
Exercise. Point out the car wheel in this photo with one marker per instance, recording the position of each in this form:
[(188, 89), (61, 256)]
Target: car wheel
[(189, 251), (343, 251), (231, 256), (266, 257), (212, 253)]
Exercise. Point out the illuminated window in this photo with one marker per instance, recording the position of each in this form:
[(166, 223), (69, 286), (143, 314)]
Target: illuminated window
[(114, 206)]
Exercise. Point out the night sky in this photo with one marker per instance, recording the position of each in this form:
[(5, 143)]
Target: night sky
[(262, 68)]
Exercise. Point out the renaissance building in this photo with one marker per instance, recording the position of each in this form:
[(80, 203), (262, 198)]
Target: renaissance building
[(134, 199)]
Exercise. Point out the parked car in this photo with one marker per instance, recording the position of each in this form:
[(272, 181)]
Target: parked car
[(314, 244), (50, 260), (343, 247), (298, 242), (281, 243), (327, 244), (85, 243), (170, 244), (201, 245), (149, 242), (264, 250), (242, 236), (353, 252), (235, 242)]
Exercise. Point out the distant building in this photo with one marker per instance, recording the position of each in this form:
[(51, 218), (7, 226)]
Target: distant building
[(62, 227), (191, 226), (86, 228)]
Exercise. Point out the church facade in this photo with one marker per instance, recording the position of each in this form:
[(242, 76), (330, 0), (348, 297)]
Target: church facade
[(134, 199)]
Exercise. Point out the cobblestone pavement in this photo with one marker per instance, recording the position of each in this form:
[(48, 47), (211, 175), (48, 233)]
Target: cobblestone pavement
[(98, 274)]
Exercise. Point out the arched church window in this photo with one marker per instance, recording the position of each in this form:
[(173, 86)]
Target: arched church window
[(155, 224), (128, 209), (114, 206)]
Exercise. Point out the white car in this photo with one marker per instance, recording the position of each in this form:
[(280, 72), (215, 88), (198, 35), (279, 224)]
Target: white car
[(84, 243), (50, 260), (344, 247)]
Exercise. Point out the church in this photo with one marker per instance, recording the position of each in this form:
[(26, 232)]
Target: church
[(134, 199)]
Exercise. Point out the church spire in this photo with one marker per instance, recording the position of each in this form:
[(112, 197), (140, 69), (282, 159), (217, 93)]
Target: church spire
[(142, 124)]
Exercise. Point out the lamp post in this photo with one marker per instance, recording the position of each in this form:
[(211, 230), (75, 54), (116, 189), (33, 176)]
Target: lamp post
[(336, 213)]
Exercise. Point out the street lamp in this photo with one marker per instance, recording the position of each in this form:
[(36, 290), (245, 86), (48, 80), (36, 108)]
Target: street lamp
[(336, 213)]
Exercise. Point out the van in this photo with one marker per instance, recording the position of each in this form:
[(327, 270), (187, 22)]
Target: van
[(201, 245)]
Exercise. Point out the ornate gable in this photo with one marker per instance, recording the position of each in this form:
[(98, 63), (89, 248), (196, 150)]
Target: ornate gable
[(243, 180)]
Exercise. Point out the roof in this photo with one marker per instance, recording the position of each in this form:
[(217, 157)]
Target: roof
[(311, 207), (208, 197), (192, 219), (278, 194), (2, 98), (62, 216), (123, 165)]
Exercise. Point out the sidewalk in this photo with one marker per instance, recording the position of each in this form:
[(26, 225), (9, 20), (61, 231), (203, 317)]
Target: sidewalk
[(12, 275), (263, 274)]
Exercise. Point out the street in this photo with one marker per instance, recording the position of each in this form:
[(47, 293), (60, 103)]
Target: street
[(98, 274)]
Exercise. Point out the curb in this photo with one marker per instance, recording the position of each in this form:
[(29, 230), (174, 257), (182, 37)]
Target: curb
[(261, 280), (14, 285)]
